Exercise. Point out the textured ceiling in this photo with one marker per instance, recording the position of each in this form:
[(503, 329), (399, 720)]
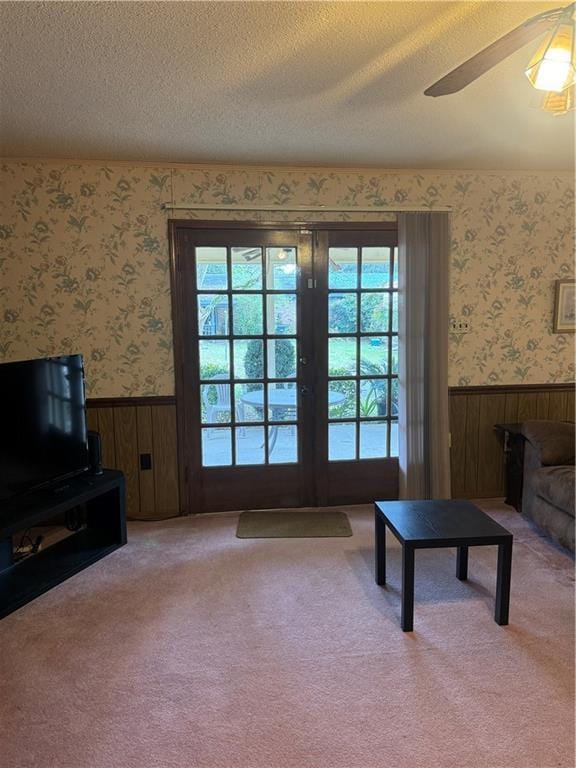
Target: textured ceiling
[(271, 82)]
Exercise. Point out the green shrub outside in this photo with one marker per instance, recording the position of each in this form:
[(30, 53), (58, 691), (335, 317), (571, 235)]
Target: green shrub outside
[(211, 371), (347, 388), (285, 359)]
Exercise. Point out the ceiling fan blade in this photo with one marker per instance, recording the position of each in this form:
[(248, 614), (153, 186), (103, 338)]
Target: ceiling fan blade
[(471, 69)]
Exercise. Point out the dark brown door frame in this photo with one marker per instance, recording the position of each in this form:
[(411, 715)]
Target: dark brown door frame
[(189, 450)]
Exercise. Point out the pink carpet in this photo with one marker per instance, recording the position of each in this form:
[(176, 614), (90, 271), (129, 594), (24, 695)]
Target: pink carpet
[(190, 648)]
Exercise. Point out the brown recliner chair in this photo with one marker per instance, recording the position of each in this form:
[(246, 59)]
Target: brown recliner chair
[(548, 496)]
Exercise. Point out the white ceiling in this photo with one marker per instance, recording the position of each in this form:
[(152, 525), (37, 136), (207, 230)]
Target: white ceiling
[(324, 83)]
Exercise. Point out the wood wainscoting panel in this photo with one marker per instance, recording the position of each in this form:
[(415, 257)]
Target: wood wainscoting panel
[(92, 419), (128, 428), (528, 406), (106, 429), (490, 457), (571, 407), (165, 461), (477, 453), (471, 445), (126, 444), (146, 476), (542, 405), (558, 405), (511, 408), (458, 445)]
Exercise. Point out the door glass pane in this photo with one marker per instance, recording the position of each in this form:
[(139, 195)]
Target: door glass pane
[(211, 269), (342, 313), (373, 439), (341, 356), (281, 269), (216, 446), (246, 269), (374, 355), (342, 441), (282, 358), (281, 309), (395, 271), (394, 438), (283, 444), (342, 399), (247, 314), (213, 314), (250, 445), (342, 268), (394, 360), (214, 359), (394, 395), (249, 402), (282, 402), (216, 407), (375, 267), (374, 313), (395, 312), (248, 359), (373, 396)]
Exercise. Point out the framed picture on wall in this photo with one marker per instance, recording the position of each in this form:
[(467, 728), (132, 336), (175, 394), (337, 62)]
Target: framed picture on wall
[(565, 306)]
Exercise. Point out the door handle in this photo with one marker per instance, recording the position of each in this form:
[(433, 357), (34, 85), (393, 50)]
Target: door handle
[(303, 361), (304, 390)]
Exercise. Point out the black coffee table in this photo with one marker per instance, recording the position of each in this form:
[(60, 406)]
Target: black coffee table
[(425, 524)]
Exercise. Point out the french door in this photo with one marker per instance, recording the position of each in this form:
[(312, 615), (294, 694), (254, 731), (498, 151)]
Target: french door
[(286, 352)]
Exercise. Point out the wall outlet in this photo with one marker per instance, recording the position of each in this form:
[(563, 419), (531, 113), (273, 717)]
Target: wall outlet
[(459, 326), (145, 461)]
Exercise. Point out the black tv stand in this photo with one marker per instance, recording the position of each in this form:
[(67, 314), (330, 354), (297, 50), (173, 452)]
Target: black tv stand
[(102, 498)]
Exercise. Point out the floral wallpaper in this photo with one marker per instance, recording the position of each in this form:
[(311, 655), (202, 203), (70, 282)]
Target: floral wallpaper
[(84, 261)]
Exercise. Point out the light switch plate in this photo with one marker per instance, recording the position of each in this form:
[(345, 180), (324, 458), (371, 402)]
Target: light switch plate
[(459, 326)]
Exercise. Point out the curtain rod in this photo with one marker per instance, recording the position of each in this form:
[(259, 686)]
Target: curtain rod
[(304, 208)]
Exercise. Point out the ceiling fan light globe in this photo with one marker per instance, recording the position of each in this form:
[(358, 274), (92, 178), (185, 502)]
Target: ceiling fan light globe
[(553, 66), (552, 76)]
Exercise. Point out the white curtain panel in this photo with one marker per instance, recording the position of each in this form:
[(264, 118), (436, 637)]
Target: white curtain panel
[(423, 275)]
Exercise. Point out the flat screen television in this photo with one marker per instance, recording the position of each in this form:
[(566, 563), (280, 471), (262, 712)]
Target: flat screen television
[(43, 436)]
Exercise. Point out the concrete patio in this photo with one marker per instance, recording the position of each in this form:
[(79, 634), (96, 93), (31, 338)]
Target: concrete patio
[(217, 443)]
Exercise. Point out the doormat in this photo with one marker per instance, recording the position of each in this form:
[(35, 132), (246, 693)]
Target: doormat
[(292, 524)]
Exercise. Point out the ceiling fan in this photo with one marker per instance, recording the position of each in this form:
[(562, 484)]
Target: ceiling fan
[(553, 67)]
